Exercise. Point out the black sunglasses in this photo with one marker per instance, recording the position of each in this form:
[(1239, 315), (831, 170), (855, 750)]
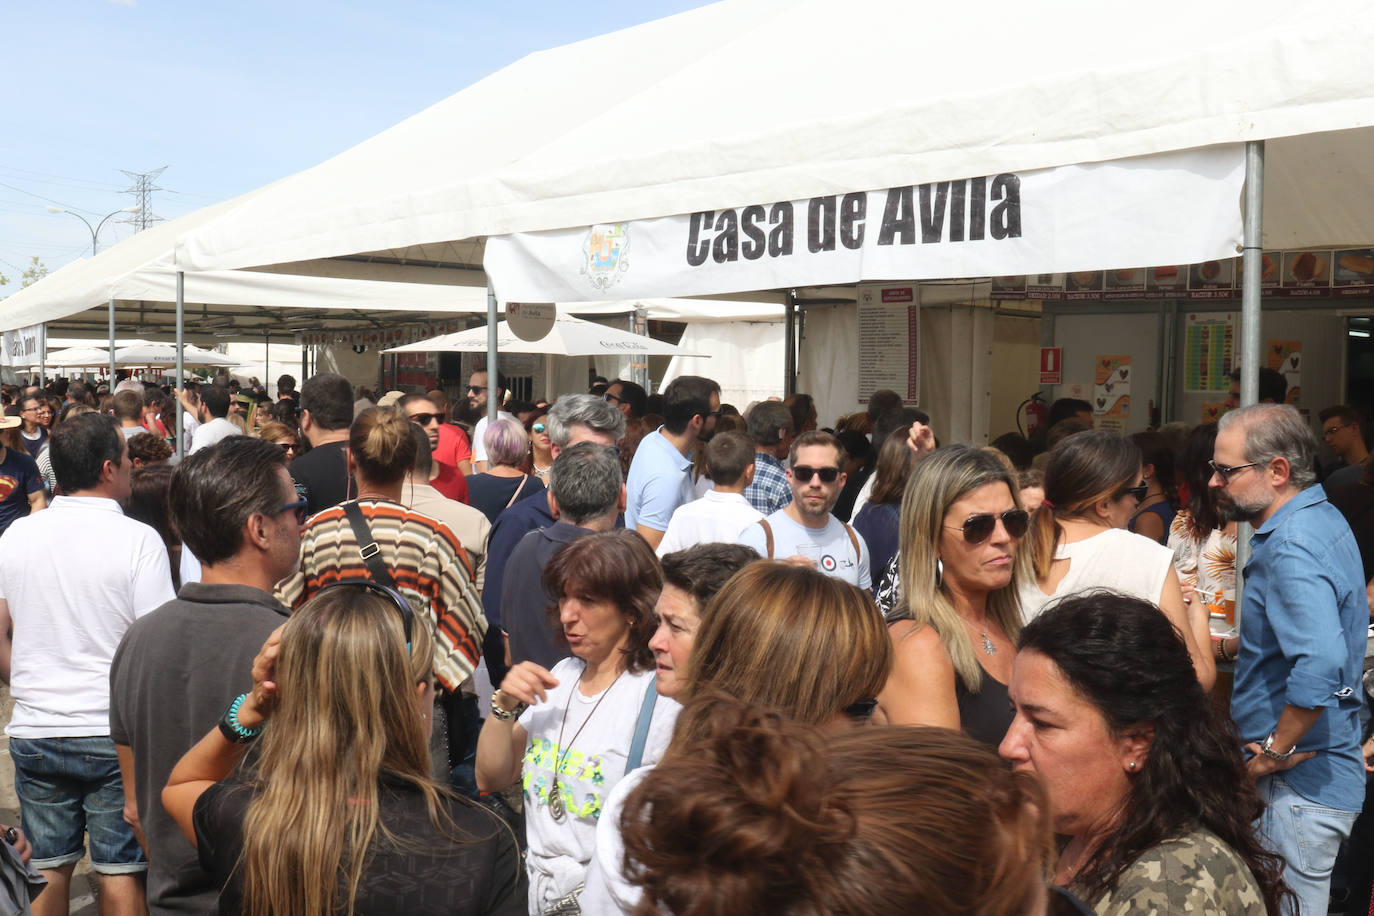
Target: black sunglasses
[(396, 599), (1137, 491), (804, 473), (978, 528), (861, 710), (477, 388), (424, 419), (1227, 471), (610, 397), (299, 506)]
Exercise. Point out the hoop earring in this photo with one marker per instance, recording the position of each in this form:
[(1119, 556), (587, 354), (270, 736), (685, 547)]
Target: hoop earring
[(939, 573)]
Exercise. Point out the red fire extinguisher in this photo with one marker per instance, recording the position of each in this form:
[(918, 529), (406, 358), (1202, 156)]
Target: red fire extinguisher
[(1036, 412)]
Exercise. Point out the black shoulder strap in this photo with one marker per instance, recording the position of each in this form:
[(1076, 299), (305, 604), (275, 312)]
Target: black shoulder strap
[(367, 545)]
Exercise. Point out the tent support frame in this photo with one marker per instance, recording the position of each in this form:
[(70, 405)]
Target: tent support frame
[(1251, 266), (181, 358)]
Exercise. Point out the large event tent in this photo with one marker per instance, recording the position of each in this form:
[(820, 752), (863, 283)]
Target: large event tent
[(762, 101)]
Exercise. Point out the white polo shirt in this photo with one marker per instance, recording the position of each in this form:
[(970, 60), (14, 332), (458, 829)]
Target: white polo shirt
[(70, 608)]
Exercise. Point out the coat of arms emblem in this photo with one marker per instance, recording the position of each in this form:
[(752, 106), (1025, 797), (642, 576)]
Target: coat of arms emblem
[(606, 254)]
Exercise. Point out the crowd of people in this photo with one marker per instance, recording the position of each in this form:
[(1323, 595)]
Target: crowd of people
[(738, 663)]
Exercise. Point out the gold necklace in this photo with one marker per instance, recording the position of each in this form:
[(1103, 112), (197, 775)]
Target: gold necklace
[(557, 808)]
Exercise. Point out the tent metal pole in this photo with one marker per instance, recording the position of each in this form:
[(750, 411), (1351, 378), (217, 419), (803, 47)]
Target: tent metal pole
[(42, 354), (181, 359), (1251, 266), (112, 346), (305, 363), (789, 382), (492, 374)]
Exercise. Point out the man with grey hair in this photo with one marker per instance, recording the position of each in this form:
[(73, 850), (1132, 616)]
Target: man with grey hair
[(770, 426), (1296, 700), (586, 493), (573, 418)]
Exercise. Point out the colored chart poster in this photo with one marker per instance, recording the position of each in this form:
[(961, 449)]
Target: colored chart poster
[(1207, 351)]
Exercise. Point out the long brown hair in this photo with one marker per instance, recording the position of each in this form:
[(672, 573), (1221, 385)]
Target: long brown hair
[(771, 816), (895, 462), (1084, 469), (346, 713), (790, 639)]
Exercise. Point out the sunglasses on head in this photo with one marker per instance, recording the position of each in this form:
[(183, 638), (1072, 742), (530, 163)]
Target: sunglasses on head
[(804, 473), (978, 528), (424, 419), (1137, 491), (395, 598)]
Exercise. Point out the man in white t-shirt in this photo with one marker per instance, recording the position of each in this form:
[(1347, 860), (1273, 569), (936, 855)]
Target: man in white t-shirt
[(214, 423), (804, 530), (479, 395), (67, 622), (722, 512)]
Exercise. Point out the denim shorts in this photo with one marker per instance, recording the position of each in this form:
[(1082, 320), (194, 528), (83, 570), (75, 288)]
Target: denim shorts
[(68, 787)]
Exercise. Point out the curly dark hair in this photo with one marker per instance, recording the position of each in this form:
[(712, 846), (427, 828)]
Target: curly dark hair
[(616, 566), (1125, 657)]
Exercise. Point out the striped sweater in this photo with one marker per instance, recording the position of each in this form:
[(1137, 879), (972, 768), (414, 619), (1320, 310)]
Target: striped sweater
[(428, 562)]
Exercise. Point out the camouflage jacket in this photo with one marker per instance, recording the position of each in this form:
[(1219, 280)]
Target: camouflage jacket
[(1194, 874)]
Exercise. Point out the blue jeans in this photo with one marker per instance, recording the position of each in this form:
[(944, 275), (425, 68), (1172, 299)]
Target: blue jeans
[(68, 787), (1307, 835)]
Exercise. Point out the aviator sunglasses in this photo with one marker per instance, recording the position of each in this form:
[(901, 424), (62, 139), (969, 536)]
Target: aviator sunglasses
[(978, 528), (805, 473)]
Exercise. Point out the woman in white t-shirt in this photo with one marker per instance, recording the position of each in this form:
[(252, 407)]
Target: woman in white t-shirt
[(569, 734), (776, 637), (1078, 540)]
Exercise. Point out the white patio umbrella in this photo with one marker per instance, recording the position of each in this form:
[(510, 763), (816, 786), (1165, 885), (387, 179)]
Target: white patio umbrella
[(569, 336), (166, 355), (79, 357)]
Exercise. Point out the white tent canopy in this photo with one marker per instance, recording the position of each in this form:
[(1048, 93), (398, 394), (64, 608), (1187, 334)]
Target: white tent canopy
[(569, 336), (897, 94), (166, 355)]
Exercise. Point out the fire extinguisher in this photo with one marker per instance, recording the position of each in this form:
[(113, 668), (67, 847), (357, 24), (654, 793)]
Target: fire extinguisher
[(1036, 412)]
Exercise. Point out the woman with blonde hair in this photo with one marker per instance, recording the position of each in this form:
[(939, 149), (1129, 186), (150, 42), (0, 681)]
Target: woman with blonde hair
[(421, 556), (339, 815), (767, 815), (952, 606), (1078, 540), (808, 647)]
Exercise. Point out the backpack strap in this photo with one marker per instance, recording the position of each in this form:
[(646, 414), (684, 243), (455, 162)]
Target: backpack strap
[(646, 716), (367, 545), (767, 538), (853, 539)]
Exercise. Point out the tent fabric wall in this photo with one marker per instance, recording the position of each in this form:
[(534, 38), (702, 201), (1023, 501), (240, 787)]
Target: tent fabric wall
[(746, 359), (956, 363)]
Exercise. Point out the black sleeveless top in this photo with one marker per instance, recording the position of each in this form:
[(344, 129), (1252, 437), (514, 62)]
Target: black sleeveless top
[(984, 716)]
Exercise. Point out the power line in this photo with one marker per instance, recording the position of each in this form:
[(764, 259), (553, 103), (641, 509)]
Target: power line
[(48, 199), (142, 189)]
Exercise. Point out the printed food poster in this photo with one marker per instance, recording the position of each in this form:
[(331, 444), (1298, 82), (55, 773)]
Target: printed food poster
[(1211, 412), (1270, 262), (1111, 389), (1127, 283), (1083, 284), (1212, 279), (1166, 278), (1285, 357), (1207, 351), (1045, 286), (1306, 274), (1354, 273)]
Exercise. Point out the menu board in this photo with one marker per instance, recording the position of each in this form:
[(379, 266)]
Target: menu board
[(1306, 274), (1354, 272), (1083, 284), (1212, 280), (889, 340), (1208, 343), (1128, 283)]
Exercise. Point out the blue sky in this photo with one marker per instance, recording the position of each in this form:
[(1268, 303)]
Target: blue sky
[(231, 96)]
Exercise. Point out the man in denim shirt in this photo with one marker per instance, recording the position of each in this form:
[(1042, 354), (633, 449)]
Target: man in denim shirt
[(1296, 700)]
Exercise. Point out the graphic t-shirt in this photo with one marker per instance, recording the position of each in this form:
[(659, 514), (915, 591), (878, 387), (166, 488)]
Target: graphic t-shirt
[(18, 478), (588, 766), (831, 544)]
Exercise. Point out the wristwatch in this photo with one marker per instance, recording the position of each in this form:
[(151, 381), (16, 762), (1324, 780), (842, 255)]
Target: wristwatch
[(1267, 749), (229, 725), (500, 712)]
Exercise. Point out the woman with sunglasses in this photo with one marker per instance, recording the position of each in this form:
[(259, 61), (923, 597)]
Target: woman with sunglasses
[(1078, 539), (778, 637), (283, 435), (541, 446), (952, 606), (338, 814)]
